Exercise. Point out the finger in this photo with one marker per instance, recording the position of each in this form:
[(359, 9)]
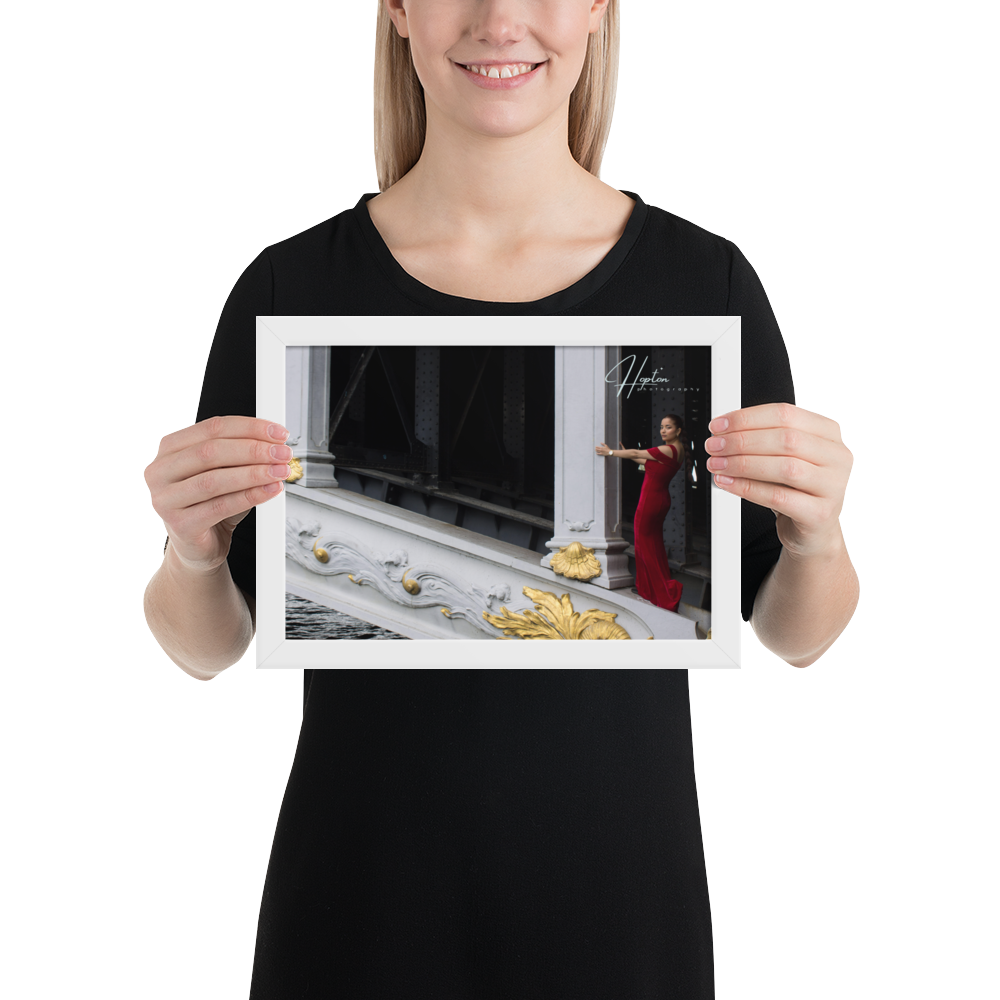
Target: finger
[(199, 518), (783, 415), (802, 508), (222, 427), (780, 441), (221, 481), (816, 480), (218, 453)]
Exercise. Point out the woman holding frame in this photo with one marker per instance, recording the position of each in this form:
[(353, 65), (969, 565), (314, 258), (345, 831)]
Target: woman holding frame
[(494, 833)]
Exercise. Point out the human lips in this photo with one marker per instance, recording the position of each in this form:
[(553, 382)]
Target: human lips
[(499, 70), (499, 75)]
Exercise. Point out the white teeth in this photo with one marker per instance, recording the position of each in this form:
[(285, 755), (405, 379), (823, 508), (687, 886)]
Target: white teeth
[(515, 69)]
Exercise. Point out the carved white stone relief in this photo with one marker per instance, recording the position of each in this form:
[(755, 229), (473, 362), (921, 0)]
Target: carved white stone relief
[(393, 577)]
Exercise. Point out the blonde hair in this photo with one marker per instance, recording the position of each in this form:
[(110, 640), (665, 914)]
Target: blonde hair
[(401, 119)]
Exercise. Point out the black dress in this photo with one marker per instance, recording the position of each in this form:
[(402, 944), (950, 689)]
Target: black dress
[(477, 834), (489, 834)]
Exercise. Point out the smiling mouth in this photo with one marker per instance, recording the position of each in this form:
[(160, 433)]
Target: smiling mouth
[(500, 71)]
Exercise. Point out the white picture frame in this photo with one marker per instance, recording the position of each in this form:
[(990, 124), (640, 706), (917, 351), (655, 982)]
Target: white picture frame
[(720, 650)]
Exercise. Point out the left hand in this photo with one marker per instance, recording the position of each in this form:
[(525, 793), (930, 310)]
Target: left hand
[(790, 460)]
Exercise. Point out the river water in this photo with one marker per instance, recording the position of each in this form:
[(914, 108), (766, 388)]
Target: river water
[(305, 620)]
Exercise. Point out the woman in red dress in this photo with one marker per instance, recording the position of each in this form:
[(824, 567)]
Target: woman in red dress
[(652, 571)]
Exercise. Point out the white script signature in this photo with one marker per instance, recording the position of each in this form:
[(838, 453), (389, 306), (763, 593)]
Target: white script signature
[(642, 383)]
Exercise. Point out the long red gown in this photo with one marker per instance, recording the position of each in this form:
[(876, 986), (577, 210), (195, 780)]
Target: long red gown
[(652, 572)]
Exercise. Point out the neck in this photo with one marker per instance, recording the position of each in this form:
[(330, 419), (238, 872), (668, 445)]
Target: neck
[(470, 185)]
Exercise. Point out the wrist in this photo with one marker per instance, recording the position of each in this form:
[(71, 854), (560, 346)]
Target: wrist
[(825, 547), (182, 569)]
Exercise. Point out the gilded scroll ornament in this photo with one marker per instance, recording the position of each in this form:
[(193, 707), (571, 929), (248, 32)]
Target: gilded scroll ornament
[(294, 471), (427, 587), (576, 562), (557, 620)]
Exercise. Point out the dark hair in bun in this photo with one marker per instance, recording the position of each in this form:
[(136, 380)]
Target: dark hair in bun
[(679, 424)]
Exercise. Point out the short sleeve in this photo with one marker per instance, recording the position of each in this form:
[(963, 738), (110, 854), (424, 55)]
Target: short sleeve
[(766, 378), (230, 387)]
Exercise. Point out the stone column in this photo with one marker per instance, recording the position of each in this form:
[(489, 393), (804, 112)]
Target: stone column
[(587, 487), (307, 413)]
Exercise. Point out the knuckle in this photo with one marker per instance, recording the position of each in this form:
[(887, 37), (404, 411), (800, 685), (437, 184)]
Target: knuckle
[(779, 497), (206, 452), (207, 483), (790, 440), (792, 470), (219, 508), (214, 426), (784, 413)]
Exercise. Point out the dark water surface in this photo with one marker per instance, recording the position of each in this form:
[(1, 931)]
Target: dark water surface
[(305, 620)]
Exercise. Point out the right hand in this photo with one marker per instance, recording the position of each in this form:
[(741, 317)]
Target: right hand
[(206, 478)]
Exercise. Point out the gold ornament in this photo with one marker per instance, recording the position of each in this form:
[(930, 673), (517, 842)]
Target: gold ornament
[(576, 562), (410, 586), (294, 472), (559, 620), (321, 554), (604, 630)]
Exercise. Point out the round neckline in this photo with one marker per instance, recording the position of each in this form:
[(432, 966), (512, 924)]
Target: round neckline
[(443, 303)]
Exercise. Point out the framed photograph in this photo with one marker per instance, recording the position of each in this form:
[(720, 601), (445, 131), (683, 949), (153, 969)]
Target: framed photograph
[(453, 482)]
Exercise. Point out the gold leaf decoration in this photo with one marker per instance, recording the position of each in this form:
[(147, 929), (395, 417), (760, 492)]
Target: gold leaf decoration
[(576, 562), (554, 618), (604, 630), (410, 586), (294, 471)]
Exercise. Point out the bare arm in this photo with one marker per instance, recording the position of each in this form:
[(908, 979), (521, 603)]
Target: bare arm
[(627, 453), (638, 461), (794, 462), (204, 481), (203, 621), (805, 602)]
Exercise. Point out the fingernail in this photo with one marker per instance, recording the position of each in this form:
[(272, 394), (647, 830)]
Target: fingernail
[(724, 480), (279, 471), (715, 444), (719, 425), (281, 452), (272, 488), (277, 431), (717, 463)]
